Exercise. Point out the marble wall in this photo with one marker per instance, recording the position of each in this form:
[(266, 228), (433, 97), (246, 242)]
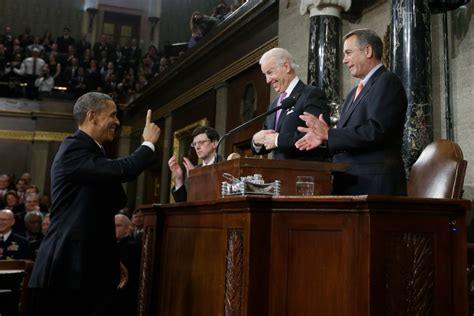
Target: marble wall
[(293, 34)]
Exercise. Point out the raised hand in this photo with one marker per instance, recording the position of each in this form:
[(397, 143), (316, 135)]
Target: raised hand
[(176, 171), (316, 132), (151, 132), (188, 165)]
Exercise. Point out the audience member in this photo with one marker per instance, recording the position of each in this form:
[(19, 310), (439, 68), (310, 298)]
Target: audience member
[(21, 185), (64, 41), (130, 255), (45, 224), (138, 224), (45, 83), (33, 230), (200, 25), (221, 11), (12, 202), (3, 186), (205, 141), (31, 68), (12, 246)]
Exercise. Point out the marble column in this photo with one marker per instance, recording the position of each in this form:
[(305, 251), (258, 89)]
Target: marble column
[(325, 48), (222, 92), (39, 163), (411, 61), (167, 152)]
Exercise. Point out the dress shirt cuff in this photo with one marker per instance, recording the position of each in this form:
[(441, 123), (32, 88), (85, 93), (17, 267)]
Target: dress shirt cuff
[(257, 147), (276, 139), (149, 145)]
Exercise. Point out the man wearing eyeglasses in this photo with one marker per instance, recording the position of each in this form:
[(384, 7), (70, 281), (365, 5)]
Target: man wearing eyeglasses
[(205, 141)]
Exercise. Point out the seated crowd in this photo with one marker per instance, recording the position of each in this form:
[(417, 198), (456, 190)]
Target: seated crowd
[(33, 65), (24, 219)]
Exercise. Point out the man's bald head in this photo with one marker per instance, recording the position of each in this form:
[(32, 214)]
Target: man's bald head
[(122, 226), (7, 220)]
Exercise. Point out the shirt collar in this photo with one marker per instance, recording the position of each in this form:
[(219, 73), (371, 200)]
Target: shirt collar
[(371, 72), (6, 235), (291, 86), (210, 161)]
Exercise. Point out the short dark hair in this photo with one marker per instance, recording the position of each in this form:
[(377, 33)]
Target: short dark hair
[(92, 101), (211, 133), (368, 37)]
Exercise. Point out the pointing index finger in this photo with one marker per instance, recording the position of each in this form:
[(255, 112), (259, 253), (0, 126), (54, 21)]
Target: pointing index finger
[(148, 117)]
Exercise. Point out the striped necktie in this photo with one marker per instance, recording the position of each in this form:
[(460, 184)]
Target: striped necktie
[(277, 117)]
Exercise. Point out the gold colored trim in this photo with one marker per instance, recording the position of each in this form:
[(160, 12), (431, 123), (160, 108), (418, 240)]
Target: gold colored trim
[(33, 136), (178, 137), (126, 131), (222, 76), (6, 113)]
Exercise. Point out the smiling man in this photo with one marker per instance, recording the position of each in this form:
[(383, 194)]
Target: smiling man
[(280, 133), (369, 133), (205, 141), (77, 269)]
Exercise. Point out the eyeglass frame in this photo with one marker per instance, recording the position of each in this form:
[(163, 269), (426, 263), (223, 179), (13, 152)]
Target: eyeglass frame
[(199, 142)]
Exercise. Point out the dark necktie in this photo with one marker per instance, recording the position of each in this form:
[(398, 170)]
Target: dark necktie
[(277, 117), (2, 245), (34, 66)]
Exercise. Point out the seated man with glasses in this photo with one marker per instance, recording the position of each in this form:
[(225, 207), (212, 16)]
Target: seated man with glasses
[(205, 141)]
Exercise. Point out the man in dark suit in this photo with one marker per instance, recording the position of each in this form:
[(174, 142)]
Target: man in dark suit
[(77, 269), (369, 133), (205, 141), (280, 132), (12, 246)]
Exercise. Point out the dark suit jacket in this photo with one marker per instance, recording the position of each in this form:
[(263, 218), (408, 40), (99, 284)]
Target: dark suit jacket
[(369, 138), (130, 255), (181, 195), (80, 250), (15, 247), (309, 99)]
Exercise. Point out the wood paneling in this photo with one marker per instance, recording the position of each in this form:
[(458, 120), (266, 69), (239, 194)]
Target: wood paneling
[(353, 255), (240, 141)]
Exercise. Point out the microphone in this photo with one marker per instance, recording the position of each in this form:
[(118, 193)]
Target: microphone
[(285, 104)]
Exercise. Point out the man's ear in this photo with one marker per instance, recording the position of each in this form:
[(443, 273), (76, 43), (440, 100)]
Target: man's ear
[(90, 117), (369, 51)]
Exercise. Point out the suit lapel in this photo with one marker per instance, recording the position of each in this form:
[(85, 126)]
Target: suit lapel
[(297, 89), (350, 106)]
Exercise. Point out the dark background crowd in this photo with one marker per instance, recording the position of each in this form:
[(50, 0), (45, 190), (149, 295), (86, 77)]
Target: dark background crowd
[(34, 65)]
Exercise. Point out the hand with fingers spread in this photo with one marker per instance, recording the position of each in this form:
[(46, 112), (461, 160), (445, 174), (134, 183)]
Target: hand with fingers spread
[(151, 132), (317, 131)]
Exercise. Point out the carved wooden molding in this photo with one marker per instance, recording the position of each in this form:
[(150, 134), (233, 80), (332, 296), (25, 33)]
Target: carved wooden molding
[(409, 274), (146, 271), (33, 135), (233, 276)]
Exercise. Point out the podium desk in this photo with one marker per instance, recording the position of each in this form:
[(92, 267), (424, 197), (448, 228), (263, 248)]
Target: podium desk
[(322, 255)]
